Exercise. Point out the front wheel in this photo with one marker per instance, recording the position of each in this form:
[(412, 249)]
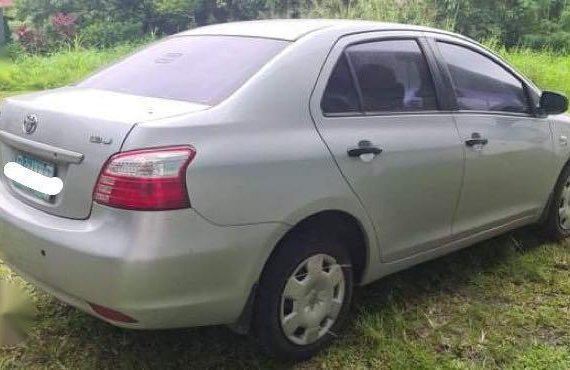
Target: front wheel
[(557, 223), (303, 298)]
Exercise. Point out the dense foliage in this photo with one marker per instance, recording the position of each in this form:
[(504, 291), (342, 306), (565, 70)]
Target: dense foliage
[(42, 25)]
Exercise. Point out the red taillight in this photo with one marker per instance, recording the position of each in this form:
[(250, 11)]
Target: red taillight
[(112, 315), (146, 180)]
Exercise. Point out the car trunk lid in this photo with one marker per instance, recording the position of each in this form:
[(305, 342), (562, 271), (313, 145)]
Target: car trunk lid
[(76, 131)]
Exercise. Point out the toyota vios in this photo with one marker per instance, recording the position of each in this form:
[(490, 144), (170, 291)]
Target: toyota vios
[(252, 174)]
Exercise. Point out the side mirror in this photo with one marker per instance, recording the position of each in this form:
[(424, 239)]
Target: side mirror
[(553, 103)]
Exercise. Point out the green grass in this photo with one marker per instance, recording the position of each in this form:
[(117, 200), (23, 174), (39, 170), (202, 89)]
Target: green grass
[(547, 71), (32, 72), (501, 304)]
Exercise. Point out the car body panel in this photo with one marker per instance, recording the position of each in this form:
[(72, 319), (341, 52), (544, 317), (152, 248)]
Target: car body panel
[(515, 145), (560, 127), (407, 220)]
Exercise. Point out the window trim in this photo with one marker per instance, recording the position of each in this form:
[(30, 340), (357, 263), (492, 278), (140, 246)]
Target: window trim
[(431, 63), (353, 77), (434, 40)]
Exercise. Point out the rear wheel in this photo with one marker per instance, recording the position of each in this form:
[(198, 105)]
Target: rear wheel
[(557, 224), (304, 297)]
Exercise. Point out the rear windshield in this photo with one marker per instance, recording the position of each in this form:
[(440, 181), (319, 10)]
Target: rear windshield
[(199, 69)]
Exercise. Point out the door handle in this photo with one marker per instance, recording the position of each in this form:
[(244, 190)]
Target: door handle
[(473, 142), (357, 152), (364, 147), (476, 139)]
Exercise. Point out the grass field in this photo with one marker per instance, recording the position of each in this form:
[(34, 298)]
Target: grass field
[(501, 304)]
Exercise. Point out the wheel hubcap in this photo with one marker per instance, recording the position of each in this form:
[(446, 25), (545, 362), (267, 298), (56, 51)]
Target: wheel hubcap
[(564, 206), (312, 299)]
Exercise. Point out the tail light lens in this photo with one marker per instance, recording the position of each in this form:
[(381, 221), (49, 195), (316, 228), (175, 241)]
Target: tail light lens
[(146, 180)]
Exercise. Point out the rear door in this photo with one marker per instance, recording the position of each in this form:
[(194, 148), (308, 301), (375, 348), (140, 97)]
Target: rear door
[(375, 106), (508, 149)]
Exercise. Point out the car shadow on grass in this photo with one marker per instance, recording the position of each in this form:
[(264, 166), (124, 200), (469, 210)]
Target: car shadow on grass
[(75, 339)]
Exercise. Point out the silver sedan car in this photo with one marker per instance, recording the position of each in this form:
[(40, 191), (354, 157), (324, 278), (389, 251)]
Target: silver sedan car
[(251, 174)]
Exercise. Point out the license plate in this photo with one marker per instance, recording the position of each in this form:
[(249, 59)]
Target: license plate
[(39, 166)]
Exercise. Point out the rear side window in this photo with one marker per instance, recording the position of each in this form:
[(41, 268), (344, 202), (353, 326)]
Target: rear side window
[(481, 84), (341, 95), (200, 69), (393, 76)]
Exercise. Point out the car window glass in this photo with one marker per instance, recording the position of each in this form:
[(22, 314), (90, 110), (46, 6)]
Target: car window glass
[(340, 95), (393, 76), (482, 84), (199, 69)]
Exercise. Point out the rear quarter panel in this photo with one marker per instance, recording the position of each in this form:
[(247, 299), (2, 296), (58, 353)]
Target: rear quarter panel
[(259, 156)]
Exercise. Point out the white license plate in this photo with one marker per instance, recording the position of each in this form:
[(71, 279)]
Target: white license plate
[(39, 166)]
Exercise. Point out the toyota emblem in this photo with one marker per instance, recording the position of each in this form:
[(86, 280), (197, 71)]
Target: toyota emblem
[(30, 123)]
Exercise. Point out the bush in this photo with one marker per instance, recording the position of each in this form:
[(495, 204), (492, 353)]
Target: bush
[(558, 42), (64, 25), (106, 34), (173, 16), (105, 23), (32, 40), (53, 23), (12, 51)]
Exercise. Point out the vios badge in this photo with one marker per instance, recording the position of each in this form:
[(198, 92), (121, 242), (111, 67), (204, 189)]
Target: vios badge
[(30, 123)]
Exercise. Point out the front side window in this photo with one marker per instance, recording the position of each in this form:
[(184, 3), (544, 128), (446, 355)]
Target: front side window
[(199, 69), (393, 76), (481, 84)]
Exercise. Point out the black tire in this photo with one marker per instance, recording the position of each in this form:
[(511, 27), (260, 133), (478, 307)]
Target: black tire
[(290, 253), (553, 224)]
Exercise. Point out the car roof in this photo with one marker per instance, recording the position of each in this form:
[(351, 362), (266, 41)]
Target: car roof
[(294, 29)]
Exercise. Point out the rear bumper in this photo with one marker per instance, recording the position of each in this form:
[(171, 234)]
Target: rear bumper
[(164, 269)]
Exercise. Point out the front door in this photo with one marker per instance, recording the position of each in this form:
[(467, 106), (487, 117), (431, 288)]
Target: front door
[(508, 151)]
